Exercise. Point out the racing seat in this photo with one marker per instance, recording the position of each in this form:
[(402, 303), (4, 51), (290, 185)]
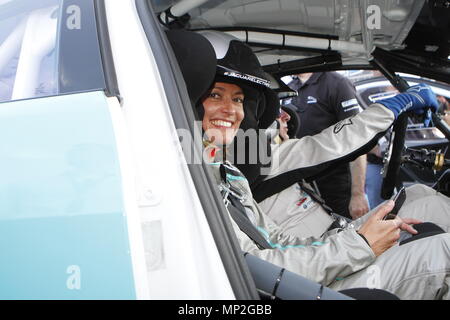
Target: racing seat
[(196, 59)]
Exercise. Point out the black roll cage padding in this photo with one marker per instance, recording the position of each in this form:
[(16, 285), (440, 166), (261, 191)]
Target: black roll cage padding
[(443, 184), (278, 283), (390, 180), (384, 61), (322, 62), (429, 67), (393, 167), (272, 31)]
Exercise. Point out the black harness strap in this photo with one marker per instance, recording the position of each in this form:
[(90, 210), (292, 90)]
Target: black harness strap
[(339, 221), (237, 212), (263, 189), (315, 197)]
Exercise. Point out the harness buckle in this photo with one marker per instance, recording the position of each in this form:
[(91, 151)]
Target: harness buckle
[(226, 189)]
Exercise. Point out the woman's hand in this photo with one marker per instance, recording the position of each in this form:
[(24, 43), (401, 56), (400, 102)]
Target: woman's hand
[(383, 234)]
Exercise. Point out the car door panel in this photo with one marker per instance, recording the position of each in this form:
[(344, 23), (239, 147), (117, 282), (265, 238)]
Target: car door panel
[(63, 225)]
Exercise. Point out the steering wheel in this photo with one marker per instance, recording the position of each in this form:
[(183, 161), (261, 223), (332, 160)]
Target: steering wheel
[(392, 158)]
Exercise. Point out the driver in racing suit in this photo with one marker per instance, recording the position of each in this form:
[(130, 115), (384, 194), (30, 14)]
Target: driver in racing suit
[(300, 211), (340, 258)]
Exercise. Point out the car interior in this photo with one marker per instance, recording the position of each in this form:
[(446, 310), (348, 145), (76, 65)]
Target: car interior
[(400, 43), (286, 48), (291, 42)]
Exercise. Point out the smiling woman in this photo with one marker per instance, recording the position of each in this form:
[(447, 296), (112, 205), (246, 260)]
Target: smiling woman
[(224, 111)]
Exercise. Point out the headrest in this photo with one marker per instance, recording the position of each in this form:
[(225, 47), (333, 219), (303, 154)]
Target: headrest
[(197, 61)]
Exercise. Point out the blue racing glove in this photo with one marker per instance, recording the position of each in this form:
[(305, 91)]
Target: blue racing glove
[(417, 99)]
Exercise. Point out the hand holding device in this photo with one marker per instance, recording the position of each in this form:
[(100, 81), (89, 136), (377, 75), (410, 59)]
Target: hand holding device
[(399, 198)]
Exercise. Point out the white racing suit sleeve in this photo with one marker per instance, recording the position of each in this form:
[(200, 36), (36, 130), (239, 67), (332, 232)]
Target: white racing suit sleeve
[(304, 158), (341, 141), (324, 260)]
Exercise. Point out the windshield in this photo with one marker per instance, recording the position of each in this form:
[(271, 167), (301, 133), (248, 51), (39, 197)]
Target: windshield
[(28, 33), (47, 48)]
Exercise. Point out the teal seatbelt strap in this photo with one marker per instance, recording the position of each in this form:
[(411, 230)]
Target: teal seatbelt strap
[(238, 213)]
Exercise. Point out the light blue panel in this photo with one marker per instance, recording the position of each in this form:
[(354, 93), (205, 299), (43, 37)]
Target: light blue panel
[(63, 233)]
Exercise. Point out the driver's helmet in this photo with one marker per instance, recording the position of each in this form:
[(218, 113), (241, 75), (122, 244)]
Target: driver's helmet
[(237, 64)]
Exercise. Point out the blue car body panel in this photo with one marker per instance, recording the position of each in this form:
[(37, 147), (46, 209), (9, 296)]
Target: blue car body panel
[(63, 231)]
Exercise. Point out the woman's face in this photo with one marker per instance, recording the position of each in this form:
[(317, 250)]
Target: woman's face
[(283, 119), (224, 112)]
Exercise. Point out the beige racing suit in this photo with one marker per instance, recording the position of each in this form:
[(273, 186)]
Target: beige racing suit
[(341, 258), (298, 214)]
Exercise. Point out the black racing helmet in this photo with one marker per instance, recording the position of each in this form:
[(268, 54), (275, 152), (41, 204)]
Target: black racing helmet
[(236, 63)]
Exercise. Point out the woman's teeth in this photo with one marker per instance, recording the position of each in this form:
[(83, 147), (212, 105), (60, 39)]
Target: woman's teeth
[(221, 123)]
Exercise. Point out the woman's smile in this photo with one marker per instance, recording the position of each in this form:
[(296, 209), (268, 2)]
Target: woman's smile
[(224, 112)]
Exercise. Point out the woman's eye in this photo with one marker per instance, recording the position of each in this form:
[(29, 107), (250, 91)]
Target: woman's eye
[(239, 100), (214, 95)]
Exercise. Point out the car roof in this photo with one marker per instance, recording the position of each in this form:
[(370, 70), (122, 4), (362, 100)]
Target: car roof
[(290, 36)]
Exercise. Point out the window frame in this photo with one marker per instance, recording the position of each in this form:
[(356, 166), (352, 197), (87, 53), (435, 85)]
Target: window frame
[(182, 112), (108, 76)]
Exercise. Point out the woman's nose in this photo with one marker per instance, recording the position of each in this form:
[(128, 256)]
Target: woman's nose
[(286, 117), (228, 106)]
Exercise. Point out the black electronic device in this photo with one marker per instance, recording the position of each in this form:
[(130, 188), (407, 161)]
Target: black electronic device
[(399, 198)]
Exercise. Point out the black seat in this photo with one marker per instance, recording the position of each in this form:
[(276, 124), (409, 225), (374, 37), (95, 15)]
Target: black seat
[(197, 61)]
